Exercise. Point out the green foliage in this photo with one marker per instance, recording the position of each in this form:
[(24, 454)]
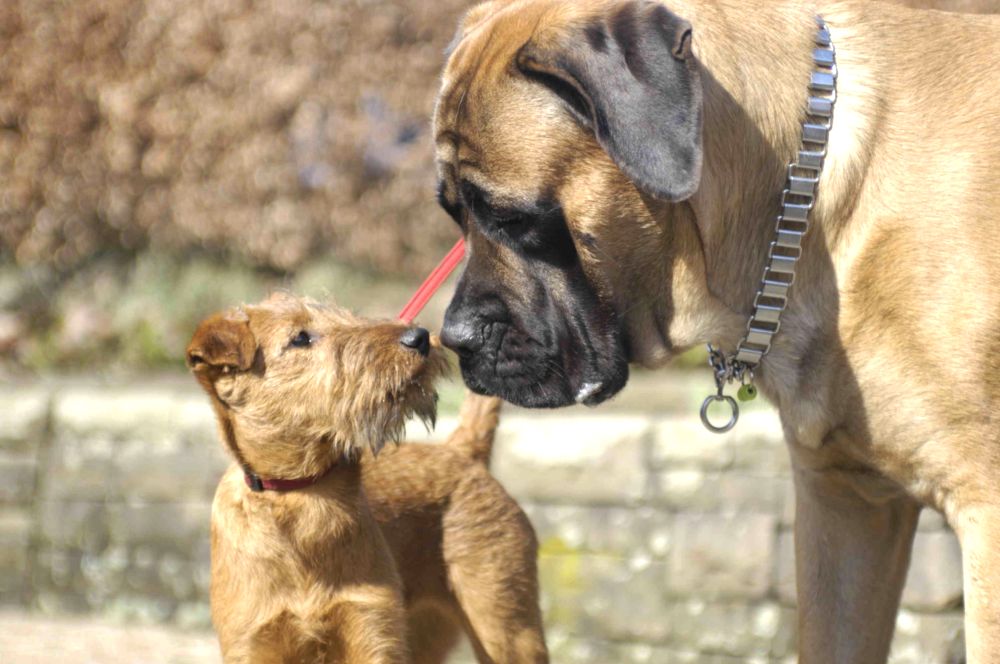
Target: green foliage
[(141, 314), (694, 358)]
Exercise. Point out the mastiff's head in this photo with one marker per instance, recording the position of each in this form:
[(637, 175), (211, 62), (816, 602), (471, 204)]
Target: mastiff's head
[(568, 136)]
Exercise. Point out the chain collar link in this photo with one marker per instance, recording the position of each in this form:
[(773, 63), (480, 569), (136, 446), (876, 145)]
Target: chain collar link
[(797, 201)]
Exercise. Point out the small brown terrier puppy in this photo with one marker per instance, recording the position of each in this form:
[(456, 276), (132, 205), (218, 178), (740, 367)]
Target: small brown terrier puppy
[(320, 552)]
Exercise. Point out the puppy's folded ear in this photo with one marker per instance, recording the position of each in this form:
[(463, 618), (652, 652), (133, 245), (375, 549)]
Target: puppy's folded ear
[(630, 77), (223, 341)]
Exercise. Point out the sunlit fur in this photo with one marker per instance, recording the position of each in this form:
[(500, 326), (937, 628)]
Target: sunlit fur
[(306, 575), (293, 421), (886, 367), (385, 559)]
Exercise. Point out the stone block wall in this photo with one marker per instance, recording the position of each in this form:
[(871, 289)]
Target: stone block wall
[(113, 499), (660, 542)]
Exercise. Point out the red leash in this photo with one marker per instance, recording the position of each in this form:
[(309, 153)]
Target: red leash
[(433, 282)]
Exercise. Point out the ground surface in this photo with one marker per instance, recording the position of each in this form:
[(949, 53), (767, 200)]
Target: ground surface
[(31, 639), (35, 639)]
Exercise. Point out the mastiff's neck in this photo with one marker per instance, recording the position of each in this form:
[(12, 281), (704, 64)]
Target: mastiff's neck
[(755, 75)]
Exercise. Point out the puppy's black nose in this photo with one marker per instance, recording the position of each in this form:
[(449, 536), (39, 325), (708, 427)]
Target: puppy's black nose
[(418, 339)]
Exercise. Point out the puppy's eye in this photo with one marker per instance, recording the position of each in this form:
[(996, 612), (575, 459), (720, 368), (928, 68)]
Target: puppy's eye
[(302, 340)]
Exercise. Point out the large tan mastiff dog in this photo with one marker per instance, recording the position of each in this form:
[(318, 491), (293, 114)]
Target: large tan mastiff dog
[(616, 168)]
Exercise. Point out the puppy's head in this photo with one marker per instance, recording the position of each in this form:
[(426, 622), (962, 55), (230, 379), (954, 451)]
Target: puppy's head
[(565, 134), (300, 384)]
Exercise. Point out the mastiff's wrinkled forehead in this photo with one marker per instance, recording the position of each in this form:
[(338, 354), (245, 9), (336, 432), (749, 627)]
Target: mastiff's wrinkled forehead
[(556, 121)]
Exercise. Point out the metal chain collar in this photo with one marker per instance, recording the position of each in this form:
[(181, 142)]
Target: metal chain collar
[(797, 202)]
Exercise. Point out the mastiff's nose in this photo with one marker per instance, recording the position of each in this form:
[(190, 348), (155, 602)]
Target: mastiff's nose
[(461, 335)]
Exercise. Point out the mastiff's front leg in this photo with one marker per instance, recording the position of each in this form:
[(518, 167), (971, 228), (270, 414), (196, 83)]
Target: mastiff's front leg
[(853, 534), (978, 530)]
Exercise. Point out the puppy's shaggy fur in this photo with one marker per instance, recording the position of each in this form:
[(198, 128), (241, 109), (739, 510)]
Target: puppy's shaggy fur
[(377, 560), (466, 551)]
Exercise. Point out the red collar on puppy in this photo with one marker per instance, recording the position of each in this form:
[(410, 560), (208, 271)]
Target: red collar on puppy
[(257, 484)]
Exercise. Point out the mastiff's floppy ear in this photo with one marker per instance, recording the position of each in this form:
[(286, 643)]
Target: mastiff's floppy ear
[(629, 76)]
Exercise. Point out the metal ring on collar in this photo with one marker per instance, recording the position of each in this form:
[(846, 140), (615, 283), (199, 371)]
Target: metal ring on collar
[(732, 419)]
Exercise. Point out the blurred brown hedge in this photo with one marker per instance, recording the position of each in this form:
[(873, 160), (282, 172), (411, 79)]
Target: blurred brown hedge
[(267, 131), (160, 159)]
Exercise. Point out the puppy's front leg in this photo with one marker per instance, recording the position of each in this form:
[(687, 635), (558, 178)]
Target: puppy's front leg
[(373, 629), (853, 534), (978, 530)]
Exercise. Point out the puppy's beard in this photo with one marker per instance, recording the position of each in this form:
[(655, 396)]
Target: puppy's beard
[(388, 421)]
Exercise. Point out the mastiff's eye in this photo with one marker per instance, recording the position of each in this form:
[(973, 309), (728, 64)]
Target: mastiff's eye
[(302, 340), (507, 218)]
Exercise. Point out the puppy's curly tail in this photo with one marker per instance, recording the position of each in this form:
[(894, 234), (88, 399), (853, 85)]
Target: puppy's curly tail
[(477, 424)]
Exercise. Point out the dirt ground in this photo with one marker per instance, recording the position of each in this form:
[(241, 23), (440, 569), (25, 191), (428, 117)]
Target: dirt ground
[(36, 639), (32, 639)]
